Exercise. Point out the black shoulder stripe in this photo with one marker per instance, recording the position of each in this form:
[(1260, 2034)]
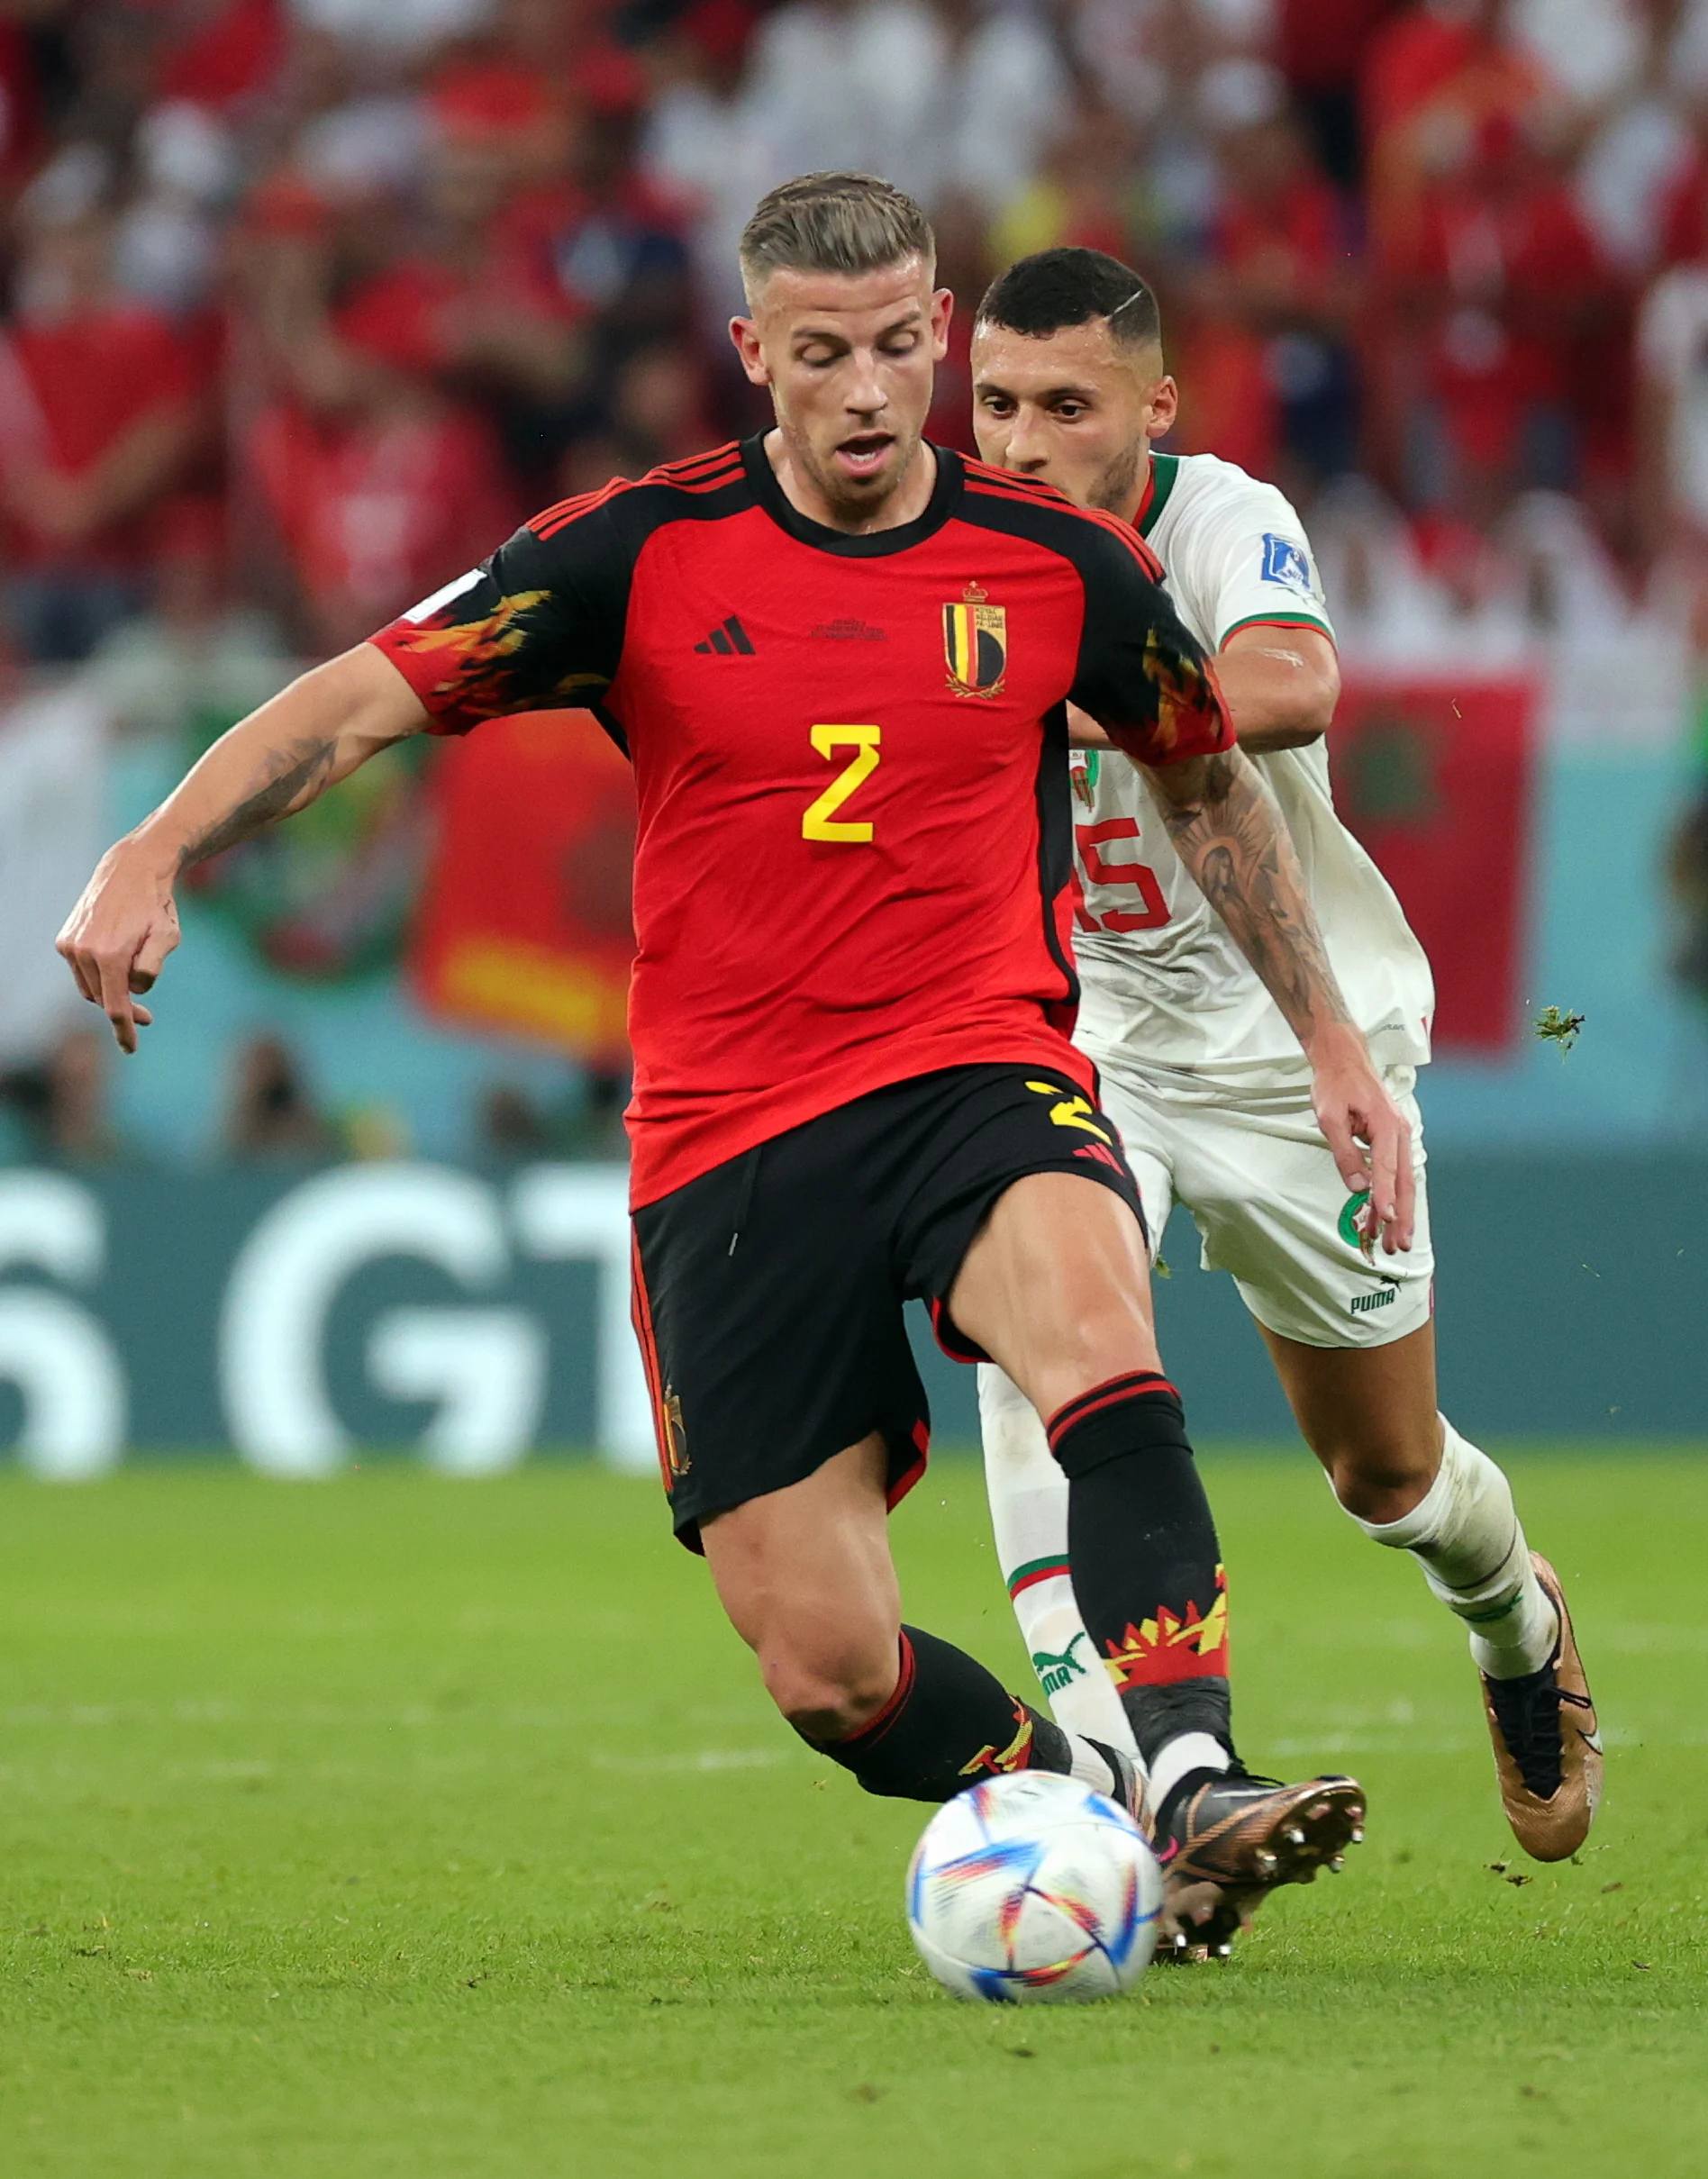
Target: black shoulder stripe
[(981, 474), (1056, 524), (988, 482), (1059, 526), (1139, 548), (548, 523), (698, 473)]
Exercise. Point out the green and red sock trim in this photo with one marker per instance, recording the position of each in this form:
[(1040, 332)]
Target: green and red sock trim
[(1034, 1571)]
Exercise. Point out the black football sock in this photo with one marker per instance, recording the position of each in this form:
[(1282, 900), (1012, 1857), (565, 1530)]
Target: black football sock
[(948, 1723), (1147, 1569)]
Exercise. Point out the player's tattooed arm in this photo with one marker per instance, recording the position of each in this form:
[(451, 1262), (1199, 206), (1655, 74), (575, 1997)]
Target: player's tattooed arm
[(1229, 831), (281, 756), (287, 779)]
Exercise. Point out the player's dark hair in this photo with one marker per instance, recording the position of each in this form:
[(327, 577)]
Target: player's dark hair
[(1052, 288), (833, 222)]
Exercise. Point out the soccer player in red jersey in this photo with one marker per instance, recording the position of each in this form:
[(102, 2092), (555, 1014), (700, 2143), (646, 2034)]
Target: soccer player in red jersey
[(841, 660)]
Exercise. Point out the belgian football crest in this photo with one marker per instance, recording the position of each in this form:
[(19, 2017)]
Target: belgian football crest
[(976, 644)]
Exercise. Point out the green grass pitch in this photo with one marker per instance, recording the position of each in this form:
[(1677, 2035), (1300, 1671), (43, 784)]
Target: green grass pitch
[(402, 1827)]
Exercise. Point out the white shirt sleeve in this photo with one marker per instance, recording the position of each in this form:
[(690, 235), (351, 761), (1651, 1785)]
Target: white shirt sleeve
[(1244, 560)]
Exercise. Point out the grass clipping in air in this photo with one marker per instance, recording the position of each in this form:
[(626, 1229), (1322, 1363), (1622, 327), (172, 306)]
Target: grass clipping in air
[(406, 1829), (1553, 1027)]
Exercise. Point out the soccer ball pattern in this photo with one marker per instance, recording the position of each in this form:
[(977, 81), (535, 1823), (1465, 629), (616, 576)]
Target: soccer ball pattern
[(1032, 1889)]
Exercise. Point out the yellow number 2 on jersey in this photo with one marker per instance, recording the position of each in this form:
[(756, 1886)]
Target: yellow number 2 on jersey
[(819, 820)]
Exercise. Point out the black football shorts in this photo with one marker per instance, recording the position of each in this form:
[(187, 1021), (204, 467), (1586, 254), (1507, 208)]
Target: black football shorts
[(769, 1292)]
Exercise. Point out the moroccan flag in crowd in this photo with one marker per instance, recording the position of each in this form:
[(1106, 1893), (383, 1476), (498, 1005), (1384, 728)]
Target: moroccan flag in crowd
[(524, 923), (1434, 777)]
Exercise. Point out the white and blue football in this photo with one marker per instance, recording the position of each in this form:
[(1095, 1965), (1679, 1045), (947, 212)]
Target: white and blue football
[(1033, 1890)]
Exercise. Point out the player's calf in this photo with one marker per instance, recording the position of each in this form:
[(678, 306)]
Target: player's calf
[(1149, 1577), (948, 1723), (806, 1577), (1147, 1571), (1465, 1535)]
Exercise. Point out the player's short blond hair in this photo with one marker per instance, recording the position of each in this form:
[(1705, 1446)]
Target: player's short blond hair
[(833, 222)]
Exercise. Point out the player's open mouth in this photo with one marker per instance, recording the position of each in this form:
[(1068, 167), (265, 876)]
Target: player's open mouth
[(864, 456)]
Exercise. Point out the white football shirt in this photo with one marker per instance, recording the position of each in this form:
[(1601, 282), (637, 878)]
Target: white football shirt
[(1165, 987)]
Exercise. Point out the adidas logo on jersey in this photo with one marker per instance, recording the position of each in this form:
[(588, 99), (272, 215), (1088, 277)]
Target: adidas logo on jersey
[(729, 639)]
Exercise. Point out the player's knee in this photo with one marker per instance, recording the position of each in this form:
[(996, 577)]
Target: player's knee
[(829, 1691), (1091, 1347), (1381, 1474)]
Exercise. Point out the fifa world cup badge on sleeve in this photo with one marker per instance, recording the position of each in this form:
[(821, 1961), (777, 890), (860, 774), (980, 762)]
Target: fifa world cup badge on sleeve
[(1285, 562)]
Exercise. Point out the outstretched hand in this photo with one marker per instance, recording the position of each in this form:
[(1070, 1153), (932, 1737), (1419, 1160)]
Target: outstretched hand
[(118, 936), (1371, 1139)]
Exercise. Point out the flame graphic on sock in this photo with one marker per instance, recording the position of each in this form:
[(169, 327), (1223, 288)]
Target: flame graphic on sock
[(1174, 1646), (1000, 1761)]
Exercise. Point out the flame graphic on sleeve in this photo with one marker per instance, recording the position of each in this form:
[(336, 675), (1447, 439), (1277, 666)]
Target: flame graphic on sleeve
[(484, 662), (1183, 688)]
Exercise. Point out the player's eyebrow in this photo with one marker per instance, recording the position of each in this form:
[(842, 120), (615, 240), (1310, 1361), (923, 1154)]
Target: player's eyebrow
[(912, 317), (1049, 393)]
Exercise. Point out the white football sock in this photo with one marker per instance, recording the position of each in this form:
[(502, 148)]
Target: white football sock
[(1094, 1770), (1029, 1513), (1465, 1534), (1186, 1752)]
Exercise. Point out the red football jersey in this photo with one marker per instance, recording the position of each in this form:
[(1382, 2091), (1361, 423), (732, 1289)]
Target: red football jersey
[(854, 834)]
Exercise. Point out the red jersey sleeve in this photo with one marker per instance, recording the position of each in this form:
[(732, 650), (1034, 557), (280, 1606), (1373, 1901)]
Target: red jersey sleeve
[(537, 627), (1141, 675)]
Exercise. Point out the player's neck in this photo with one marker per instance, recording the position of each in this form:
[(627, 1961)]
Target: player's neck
[(909, 500), (1135, 504)]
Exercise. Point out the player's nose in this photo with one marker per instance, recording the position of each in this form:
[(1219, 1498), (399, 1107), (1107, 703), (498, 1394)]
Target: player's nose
[(1026, 449), (864, 393)]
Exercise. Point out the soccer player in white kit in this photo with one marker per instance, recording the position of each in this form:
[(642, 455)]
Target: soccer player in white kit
[(1212, 1094)]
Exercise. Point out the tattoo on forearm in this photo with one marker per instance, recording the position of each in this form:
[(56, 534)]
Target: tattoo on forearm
[(301, 772), (1232, 838)]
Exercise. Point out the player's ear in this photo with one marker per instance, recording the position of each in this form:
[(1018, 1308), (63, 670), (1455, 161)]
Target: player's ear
[(943, 311), (745, 334), (1164, 406)]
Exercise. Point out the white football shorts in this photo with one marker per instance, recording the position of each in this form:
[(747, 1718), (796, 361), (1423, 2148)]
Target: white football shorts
[(1272, 1210)]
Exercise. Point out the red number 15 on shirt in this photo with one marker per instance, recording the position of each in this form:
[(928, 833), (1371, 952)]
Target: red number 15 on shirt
[(1153, 910)]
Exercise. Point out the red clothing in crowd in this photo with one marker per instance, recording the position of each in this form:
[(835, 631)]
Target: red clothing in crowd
[(1228, 402), (1294, 239), (232, 54), (376, 515), (1320, 43), (70, 393), (416, 314), (20, 107), (1408, 60), (1513, 275), (1683, 215)]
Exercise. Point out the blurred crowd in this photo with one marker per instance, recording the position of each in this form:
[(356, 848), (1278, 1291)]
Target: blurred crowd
[(307, 297), (307, 301)]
